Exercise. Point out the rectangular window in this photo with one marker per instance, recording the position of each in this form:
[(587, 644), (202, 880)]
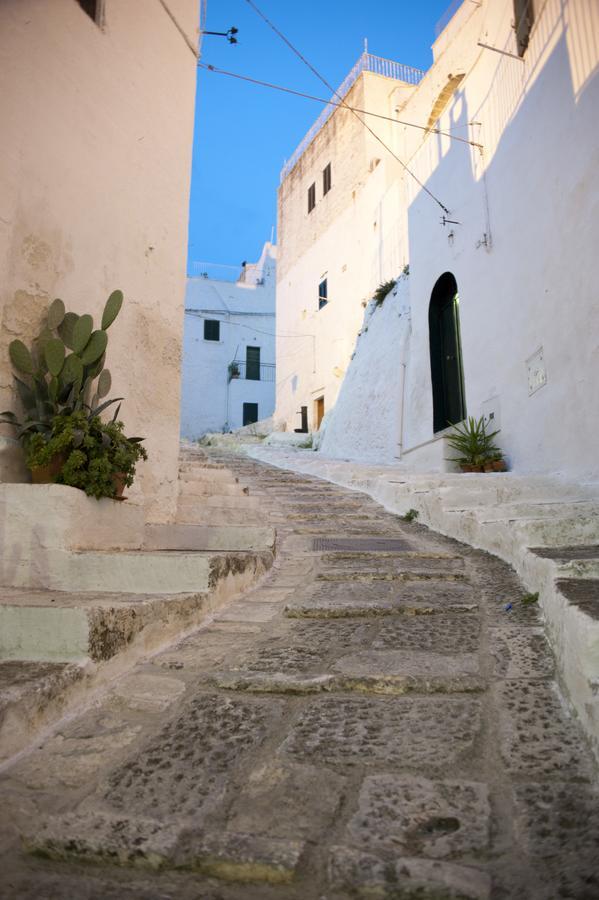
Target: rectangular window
[(326, 179), (311, 197), (323, 293), (250, 413), (524, 17), (211, 330), (252, 363)]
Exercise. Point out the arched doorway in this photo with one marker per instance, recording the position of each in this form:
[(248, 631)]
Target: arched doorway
[(449, 398)]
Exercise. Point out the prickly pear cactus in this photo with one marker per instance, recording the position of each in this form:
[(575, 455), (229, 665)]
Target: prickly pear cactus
[(56, 314), (82, 331), (21, 357), (66, 328), (54, 353), (94, 348), (104, 383), (112, 309)]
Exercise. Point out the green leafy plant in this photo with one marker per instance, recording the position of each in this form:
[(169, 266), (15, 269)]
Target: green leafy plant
[(529, 599), (94, 452), (473, 444), (56, 376), (233, 370), (382, 290), (411, 515)]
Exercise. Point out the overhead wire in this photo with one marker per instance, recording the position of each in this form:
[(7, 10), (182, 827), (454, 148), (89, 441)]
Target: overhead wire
[(354, 109), (344, 104)]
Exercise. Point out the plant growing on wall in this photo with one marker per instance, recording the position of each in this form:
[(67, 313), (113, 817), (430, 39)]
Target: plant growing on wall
[(474, 446), (382, 290), (60, 385)]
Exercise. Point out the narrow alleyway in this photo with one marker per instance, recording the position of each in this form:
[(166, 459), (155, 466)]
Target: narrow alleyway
[(369, 721)]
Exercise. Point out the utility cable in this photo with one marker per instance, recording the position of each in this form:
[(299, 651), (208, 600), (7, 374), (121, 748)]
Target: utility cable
[(344, 104), (179, 27), (354, 109), (199, 315)]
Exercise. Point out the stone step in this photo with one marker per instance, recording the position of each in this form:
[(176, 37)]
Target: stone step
[(517, 511), (192, 501), (200, 473), (76, 625), (127, 572), (212, 488), (209, 537), (32, 694), (194, 514)]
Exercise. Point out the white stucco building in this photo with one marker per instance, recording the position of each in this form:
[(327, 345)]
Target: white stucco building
[(229, 349), (95, 170), (498, 315)]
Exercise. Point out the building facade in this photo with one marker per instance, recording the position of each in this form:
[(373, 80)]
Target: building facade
[(229, 349), (496, 312), (94, 192)]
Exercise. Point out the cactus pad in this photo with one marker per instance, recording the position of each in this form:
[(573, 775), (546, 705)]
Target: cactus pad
[(94, 348), (112, 309), (55, 314), (72, 370), (54, 355), (104, 383), (21, 357), (82, 331), (65, 329)]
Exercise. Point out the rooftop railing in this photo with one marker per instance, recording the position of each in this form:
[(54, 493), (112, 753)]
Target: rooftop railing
[(366, 63)]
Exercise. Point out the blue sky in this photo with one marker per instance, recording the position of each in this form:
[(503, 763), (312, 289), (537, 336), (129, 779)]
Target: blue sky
[(243, 133)]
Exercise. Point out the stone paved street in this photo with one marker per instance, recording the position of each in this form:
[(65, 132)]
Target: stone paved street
[(369, 721)]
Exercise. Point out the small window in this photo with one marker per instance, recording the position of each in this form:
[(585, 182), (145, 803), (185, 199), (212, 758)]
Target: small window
[(311, 197), (94, 9), (524, 17), (326, 179), (211, 330), (250, 413), (252, 363), (323, 294)]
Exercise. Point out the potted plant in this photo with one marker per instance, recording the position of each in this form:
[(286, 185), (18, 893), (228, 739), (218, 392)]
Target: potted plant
[(475, 447), (62, 434), (233, 370), (98, 457)]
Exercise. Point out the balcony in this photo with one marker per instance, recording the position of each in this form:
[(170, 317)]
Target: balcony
[(240, 369)]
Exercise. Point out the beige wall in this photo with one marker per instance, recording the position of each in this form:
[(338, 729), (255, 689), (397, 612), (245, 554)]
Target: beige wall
[(97, 128)]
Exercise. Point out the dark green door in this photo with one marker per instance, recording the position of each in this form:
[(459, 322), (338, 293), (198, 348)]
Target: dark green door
[(252, 363), (449, 400), (250, 413)]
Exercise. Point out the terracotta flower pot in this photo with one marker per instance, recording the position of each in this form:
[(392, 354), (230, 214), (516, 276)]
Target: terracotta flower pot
[(119, 479), (48, 474), (499, 465), (468, 468)]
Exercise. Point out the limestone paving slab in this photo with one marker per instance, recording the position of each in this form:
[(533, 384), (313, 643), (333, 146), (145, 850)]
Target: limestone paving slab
[(421, 817), (345, 731), (539, 738), (521, 653), (368, 876), (558, 823)]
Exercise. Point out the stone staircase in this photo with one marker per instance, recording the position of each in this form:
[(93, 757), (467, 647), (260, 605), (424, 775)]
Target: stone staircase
[(87, 588), (546, 527)]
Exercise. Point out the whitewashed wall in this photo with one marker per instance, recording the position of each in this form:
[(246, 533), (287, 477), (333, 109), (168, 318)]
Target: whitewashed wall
[(246, 312), (367, 418)]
